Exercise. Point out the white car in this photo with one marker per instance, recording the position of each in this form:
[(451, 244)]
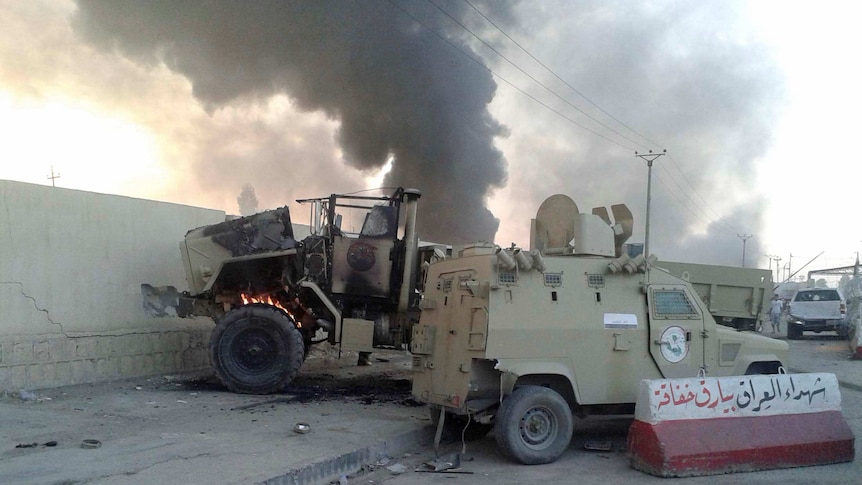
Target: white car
[(817, 310)]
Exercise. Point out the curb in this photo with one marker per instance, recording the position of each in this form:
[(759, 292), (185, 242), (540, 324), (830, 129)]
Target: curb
[(841, 383), (332, 468)]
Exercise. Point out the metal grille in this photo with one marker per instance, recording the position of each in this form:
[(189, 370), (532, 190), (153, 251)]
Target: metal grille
[(446, 285), (507, 277), (596, 280), (553, 279), (672, 304)]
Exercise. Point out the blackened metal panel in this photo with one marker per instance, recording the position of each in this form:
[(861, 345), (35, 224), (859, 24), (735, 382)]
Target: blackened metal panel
[(362, 266)]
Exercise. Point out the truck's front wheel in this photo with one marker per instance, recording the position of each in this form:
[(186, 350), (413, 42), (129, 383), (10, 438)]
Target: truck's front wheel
[(256, 349), (534, 425)]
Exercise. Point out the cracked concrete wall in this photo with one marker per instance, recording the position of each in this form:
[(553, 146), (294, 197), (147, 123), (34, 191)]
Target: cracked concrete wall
[(71, 266)]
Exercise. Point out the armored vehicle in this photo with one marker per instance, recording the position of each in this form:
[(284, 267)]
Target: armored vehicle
[(350, 282), (736, 297), (519, 341)]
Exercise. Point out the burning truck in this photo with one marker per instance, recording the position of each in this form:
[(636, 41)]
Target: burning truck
[(273, 296)]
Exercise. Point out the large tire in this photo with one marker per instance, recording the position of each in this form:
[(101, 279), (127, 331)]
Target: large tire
[(256, 349), (534, 425), (456, 428)]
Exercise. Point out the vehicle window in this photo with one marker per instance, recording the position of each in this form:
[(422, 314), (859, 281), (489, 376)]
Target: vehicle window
[(672, 304), (380, 222), (817, 295)]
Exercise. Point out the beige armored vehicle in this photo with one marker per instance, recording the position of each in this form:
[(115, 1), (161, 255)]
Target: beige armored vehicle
[(273, 295), (519, 341)]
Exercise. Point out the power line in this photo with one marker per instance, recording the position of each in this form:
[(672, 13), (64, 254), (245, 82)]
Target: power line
[(546, 88), (716, 222), (694, 190), (551, 71), (690, 210), (501, 78), (715, 218)]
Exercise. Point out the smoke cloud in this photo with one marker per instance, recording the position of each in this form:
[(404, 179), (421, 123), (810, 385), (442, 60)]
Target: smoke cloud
[(395, 88), (278, 79), (690, 77)]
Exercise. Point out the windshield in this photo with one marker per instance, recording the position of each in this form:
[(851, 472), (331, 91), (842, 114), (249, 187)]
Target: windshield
[(817, 295)]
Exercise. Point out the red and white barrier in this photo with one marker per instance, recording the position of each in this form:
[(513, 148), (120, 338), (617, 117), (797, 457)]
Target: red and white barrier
[(705, 426)]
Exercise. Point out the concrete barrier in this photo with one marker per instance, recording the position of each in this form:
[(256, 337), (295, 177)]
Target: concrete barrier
[(706, 426)]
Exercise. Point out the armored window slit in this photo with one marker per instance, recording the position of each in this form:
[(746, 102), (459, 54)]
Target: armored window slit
[(553, 279), (595, 280), (672, 303), (507, 277)]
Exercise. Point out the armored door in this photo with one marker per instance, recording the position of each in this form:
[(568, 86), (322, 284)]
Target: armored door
[(676, 330)]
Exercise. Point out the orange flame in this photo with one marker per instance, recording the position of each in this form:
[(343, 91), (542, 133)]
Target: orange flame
[(267, 299)]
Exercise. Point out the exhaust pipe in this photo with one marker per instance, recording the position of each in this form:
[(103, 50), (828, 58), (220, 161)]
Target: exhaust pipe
[(505, 259), (523, 261), (538, 260), (411, 240)]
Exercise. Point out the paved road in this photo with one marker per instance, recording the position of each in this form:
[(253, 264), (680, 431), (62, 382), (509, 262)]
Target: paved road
[(817, 353), (158, 430)]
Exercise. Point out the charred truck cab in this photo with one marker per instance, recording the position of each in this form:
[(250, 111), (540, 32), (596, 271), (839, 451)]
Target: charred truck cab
[(351, 283), (520, 341)]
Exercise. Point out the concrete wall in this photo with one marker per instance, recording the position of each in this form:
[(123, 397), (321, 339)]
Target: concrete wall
[(71, 266)]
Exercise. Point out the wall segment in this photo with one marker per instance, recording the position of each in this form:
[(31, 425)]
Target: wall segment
[(71, 266)]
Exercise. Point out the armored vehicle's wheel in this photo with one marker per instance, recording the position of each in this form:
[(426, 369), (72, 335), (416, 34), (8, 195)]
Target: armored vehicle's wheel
[(534, 425), (256, 349), (457, 427)]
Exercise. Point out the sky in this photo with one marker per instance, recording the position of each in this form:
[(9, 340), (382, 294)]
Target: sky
[(488, 107)]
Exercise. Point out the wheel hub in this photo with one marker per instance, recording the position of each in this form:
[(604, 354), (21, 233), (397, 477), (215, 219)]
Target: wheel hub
[(538, 428), (254, 350)]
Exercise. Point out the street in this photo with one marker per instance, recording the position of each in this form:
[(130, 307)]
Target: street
[(482, 464)]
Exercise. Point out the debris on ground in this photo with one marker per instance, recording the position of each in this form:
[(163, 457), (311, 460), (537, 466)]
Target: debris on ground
[(598, 445), (450, 461)]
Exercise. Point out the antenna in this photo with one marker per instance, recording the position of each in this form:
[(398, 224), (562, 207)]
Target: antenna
[(53, 177)]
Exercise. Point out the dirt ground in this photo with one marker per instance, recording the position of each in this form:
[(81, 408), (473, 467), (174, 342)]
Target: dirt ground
[(160, 426)]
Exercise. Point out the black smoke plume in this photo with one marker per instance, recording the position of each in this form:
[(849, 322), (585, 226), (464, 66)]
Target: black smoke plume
[(395, 86)]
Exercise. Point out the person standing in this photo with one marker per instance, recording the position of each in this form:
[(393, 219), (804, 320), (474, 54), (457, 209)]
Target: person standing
[(775, 313)]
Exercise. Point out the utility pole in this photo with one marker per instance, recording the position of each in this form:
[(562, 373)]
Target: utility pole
[(770, 257), (789, 261), (745, 238), (649, 157), (53, 177)]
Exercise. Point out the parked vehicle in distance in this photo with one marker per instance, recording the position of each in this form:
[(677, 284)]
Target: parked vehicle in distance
[(817, 310), (736, 297)]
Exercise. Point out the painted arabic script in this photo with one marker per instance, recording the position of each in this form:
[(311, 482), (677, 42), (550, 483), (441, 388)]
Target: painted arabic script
[(747, 395)]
